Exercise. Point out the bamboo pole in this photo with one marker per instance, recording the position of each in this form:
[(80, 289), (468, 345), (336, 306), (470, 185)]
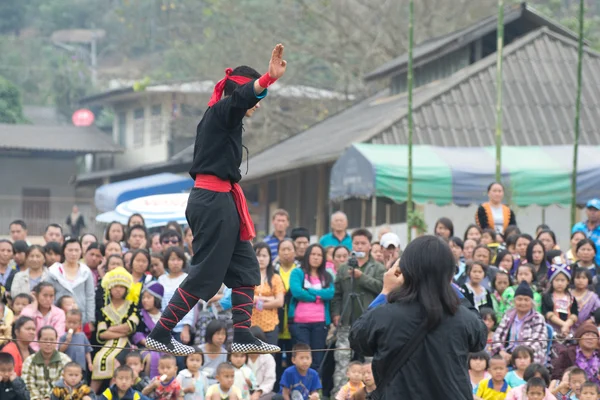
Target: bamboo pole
[(577, 114), (409, 78), (500, 48)]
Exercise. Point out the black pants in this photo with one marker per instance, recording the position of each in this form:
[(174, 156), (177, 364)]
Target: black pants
[(219, 254)]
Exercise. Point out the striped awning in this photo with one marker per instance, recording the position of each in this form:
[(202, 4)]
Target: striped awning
[(443, 175)]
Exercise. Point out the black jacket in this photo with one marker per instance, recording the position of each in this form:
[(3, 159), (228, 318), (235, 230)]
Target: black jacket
[(15, 390), (438, 368), (218, 146)]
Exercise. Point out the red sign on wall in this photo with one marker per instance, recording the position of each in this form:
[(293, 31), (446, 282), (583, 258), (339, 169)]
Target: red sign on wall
[(83, 117)]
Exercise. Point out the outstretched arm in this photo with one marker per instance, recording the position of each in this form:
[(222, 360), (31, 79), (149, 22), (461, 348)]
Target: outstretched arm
[(277, 66)]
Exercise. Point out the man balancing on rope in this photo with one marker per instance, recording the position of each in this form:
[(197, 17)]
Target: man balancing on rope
[(218, 214)]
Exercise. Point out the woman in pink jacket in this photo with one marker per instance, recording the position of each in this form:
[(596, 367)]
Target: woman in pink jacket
[(44, 312)]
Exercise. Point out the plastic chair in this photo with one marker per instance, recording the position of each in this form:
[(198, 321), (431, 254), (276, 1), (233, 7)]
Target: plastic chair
[(550, 331)]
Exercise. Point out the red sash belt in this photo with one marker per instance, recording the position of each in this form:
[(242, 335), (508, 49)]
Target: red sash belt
[(215, 184)]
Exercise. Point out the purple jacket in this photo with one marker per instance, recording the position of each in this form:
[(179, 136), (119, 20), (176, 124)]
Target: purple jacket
[(533, 333)]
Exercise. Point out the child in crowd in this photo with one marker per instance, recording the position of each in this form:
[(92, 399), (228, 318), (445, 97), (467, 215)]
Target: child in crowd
[(224, 390), (473, 289), (300, 381), (244, 378), (521, 358), (122, 389), (369, 382), (561, 389), (53, 253), (478, 365), (535, 389), (157, 267), (216, 336), (489, 319), (118, 319), (43, 368), (496, 387), (21, 301), (44, 312), (152, 295), (11, 386), (559, 306), (577, 378), (263, 367), (165, 386), (134, 361), (589, 391), (74, 343), (66, 303), (354, 374), (71, 385), (192, 381), (501, 282)]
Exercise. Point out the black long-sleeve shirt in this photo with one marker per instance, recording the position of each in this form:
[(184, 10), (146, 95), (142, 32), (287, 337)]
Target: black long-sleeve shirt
[(218, 146)]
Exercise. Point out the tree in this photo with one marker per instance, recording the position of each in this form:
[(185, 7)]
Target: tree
[(13, 16), (11, 109)]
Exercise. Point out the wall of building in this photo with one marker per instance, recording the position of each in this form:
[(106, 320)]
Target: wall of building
[(38, 173)]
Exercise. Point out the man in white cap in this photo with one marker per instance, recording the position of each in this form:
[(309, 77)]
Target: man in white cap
[(591, 227), (390, 243)]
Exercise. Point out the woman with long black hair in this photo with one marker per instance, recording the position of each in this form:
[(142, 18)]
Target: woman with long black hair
[(425, 307), (312, 290)]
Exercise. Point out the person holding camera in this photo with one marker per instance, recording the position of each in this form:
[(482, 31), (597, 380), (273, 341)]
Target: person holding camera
[(357, 284)]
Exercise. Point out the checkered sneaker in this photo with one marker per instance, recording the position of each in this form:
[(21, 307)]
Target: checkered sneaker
[(175, 348), (256, 347)]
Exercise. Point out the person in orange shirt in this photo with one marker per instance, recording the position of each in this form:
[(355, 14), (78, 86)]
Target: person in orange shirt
[(268, 296)]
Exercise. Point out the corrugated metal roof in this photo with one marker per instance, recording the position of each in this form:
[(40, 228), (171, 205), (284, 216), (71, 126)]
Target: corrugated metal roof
[(69, 139), (539, 88), (539, 97), (439, 46)]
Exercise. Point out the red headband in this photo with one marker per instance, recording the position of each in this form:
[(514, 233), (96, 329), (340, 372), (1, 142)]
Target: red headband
[(220, 86)]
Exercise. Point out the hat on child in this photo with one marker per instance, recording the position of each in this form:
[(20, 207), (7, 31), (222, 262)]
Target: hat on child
[(155, 289), (556, 269), (117, 277), (524, 290)]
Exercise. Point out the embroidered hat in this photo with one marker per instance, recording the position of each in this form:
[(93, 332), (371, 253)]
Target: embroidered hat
[(155, 289), (117, 277), (556, 269), (524, 290)]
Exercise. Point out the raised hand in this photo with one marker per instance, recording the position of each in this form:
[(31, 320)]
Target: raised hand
[(277, 65)]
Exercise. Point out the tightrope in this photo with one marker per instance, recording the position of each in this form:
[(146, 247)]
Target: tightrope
[(523, 342)]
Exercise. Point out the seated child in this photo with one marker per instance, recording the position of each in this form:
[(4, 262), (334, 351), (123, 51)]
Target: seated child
[(369, 382), (122, 388), (134, 361), (521, 358), (192, 381), (478, 365), (165, 386), (71, 385), (300, 381), (589, 391), (21, 301), (224, 390), (494, 388), (535, 389), (577, 378), (355, 383), (74, 343), (244, 379), (11, 386)]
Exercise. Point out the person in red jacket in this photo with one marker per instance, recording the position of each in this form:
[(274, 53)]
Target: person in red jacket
[(218, 214)]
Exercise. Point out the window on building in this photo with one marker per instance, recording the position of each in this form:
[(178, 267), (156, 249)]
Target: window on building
[(156, 126), (122, 129), (138, 127), (36, 209)]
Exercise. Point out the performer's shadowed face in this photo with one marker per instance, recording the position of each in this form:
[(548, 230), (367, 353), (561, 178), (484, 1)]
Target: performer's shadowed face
[(251, 111)]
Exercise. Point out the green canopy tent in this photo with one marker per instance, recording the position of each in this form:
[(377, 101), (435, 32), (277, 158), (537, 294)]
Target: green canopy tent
[(454, 175)]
